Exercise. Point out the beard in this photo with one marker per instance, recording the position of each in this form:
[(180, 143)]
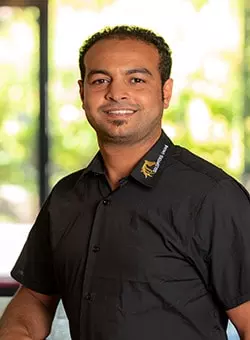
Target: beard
[(116, 131), (118, 122), (112, 136)]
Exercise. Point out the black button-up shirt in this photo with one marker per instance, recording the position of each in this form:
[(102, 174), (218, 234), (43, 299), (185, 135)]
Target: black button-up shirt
[(161, 257)]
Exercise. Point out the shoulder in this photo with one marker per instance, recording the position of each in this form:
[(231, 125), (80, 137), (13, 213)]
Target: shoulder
[(194, 181), (66, 186), (224, 210), (198, 166), (195, 173), (69, 181)]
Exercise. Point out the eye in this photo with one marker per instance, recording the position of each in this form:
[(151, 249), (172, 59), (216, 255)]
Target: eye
[(100, 81), (137, 80)]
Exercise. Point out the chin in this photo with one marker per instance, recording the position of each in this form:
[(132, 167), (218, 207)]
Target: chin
[(117, 137)]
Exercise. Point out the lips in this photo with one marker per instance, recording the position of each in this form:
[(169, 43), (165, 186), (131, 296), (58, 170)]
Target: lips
[(120, 111)]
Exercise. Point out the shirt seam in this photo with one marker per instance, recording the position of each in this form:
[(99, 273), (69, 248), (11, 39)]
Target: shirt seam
[(34, 285), (178, 152), (234, 302)]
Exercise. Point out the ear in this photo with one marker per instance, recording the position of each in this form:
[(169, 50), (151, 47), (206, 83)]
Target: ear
[(167, 92), (81, 90)]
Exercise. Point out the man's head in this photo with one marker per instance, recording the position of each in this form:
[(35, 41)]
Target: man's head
[(125, 84), (131, 32)]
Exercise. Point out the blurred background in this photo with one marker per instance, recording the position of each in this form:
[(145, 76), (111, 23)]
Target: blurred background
[(43, 131)]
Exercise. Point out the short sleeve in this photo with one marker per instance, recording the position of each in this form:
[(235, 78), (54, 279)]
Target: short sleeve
[(222, 232), (34, 267)]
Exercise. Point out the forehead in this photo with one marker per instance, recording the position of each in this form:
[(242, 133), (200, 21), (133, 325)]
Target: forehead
[(121, 53)]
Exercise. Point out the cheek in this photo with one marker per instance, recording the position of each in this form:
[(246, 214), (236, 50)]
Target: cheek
[(90, 102), (152, 93), (152, 100), (93, 98)]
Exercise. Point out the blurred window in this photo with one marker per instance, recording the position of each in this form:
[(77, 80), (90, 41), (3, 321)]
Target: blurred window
[(19, 116)]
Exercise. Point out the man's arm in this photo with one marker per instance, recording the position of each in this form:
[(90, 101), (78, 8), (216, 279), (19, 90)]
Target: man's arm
[(28, 316), (240, 317)]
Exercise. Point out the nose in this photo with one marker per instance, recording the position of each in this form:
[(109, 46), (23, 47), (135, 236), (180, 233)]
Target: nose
[(116, 91)]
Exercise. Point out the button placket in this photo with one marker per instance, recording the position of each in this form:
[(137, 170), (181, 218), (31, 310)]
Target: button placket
[(94, 248)]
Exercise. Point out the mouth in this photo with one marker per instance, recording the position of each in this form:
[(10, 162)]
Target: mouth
[(120, 112)]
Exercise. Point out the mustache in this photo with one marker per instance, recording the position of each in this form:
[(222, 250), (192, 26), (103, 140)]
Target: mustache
[(117, 106)]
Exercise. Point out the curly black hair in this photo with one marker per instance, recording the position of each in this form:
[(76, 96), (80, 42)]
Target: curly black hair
[(131, 32)]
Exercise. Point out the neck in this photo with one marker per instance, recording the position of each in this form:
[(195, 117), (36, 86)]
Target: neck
[(120, 159)]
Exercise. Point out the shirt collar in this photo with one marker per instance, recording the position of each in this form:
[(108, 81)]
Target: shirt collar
[(151, 164), (96, 166), (147, 169)]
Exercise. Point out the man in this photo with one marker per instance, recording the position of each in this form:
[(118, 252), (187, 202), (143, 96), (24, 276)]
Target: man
[(149, 241)]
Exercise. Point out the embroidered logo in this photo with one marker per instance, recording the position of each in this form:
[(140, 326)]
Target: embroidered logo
[(146, 169), (160, 158)]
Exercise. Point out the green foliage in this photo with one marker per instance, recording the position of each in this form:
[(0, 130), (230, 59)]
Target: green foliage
[(19, 109), (72, 141), (198, 4)]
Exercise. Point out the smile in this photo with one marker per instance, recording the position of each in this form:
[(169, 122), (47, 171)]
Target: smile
[(120, 112)]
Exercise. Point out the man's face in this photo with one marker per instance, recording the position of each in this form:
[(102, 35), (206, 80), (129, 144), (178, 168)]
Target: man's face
[(122, 93)]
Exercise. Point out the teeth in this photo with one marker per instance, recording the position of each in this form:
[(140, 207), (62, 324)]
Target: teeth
[(120, 112)]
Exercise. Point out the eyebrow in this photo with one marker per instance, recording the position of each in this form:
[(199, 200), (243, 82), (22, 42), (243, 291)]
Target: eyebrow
[(139, 70), (142, 70), (97, 71)]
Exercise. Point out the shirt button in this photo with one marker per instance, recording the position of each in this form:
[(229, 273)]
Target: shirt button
[(89, 297), (106, 202), (96, 249)]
